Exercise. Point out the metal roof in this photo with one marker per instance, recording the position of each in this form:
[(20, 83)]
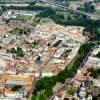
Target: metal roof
[(16, 82)]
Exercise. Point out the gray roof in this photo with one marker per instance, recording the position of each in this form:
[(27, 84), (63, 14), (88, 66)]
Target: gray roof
[(16, 82)]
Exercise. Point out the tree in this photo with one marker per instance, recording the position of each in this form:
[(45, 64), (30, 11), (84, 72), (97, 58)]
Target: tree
[(13, 50), (20, 52), (21, 30), (16, 87), (89, 6), (40, 96), (43, 97), (71, 90), (35, 42), (47, 12), (95, 73), (69, 17), (98, 55), (35, 97), (8, 51), (31, 4), (48, 93), (47, 83)]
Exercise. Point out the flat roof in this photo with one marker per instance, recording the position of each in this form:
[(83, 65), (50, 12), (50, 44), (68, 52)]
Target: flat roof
[(16, 82)]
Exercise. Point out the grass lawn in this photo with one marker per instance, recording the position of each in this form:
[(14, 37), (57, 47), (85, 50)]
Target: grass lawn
[(96, 14), (99, 29), (23, 17), (40, 4), (72, 63), (19, 5)]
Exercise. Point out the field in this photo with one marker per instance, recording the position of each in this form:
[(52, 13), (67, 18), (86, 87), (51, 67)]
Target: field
[(96, 14), (22, 17), (19, 5)]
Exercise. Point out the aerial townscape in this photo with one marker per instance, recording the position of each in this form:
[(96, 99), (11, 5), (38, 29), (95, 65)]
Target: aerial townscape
[(49, 49)]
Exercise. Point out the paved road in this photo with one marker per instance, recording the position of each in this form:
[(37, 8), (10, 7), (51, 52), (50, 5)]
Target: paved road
[(81, 65), (86, 58), (64, 87), (16, 1), (54, 4), (72, 10)]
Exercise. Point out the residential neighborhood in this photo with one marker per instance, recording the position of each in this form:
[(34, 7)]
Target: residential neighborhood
[(49, 50)]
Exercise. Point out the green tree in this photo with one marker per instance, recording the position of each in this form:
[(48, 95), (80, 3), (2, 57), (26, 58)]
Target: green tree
[(35, 42), (16, 87), (20, 52), (89, 6), (8, 51), (31, 4), (35, 97), (71, 90), (21, 30), (95, 73), (98, 55), (47, 83), (13, 50), (69, 17)]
